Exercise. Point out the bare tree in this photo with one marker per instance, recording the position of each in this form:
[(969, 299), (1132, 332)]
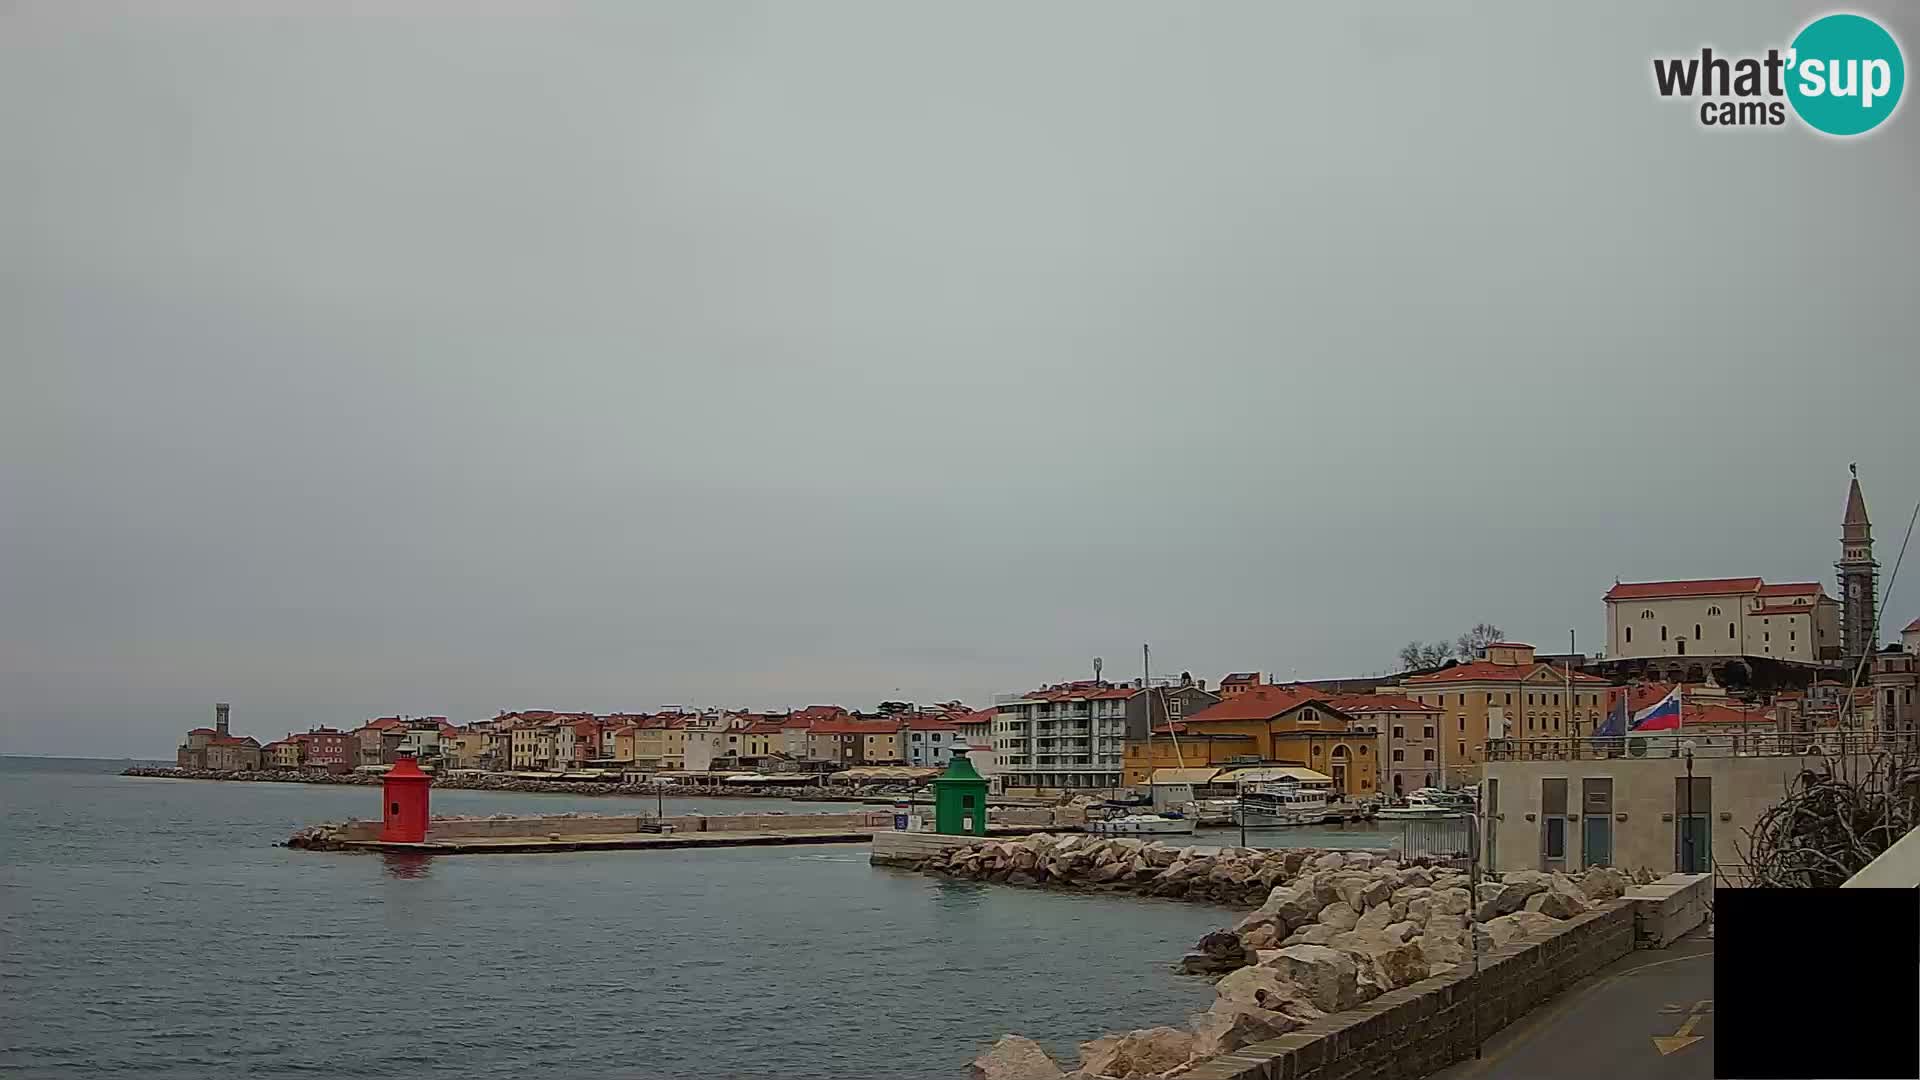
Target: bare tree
[(1834, 819), (1421, 654), (1475, 641)]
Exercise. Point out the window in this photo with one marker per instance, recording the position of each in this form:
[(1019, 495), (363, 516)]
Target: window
[(1646, 613), (1509, 699), (1629, 633), (1363, 749), (1729, 631), (1463, 699), (1429, 731), (1463, 752), (1529, 699), (1399, 732), (1463, 722), (1714, 610), (1696, 631), (1793, 635), (1399, 755), (1663, 633), (1766, 637), (1556, 838), (1316, 749), (1429, 753)]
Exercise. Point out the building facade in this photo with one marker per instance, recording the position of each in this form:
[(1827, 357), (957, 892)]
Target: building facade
[(1723, 618), (1066, 737), (1896, 690), (1406, 738), (1509, 694), (1278, 725)]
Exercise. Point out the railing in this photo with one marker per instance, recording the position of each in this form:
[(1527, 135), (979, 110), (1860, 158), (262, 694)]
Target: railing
[(1449, 838), (1676, 744)]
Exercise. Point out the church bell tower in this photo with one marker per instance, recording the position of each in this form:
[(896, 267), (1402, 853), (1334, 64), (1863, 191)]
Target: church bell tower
[(1859, 575)]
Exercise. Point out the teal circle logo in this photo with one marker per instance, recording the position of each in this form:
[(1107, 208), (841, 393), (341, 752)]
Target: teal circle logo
[(1845, 74)]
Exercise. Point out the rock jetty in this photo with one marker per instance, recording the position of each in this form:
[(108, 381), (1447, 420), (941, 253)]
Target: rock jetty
[(1332, 931)]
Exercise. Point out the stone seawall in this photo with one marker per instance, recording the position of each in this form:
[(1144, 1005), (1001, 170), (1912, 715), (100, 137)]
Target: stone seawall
[(1411, 1032), (332, 835)]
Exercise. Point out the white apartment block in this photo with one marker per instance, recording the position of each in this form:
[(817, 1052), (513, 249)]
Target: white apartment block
[(1061, 738)]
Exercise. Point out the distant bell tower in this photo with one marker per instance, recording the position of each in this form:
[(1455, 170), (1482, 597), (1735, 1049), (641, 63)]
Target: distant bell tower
[(220, 709), (1859, 576)]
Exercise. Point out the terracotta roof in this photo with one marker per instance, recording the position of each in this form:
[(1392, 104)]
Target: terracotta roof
[(984, 716), (1912, 627), (1650, 590), (931, 723), (855, 727), (1082, 690), (211, 731), (1792, 588), (1364, 703), (765, 727), (231, 740), (1488, 671), (1508, 645), (1240, 677), (1259, 703)]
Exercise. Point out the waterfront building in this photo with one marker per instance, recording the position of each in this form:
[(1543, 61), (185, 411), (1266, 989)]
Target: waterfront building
[(324, 748), (1292, 725), (1910, 637), (1509, 693), (1666, 802), (281, 754), (1073, 735), (227, 753), (192, 754), (377, 741), (930, 741), (847, 743), (1406, 738)]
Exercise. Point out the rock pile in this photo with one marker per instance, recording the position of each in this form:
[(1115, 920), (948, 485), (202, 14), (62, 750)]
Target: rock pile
[(1235, 876), (1338, 930)]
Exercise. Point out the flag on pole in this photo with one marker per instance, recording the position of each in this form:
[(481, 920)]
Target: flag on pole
[(1662, 715), (1615, 725)]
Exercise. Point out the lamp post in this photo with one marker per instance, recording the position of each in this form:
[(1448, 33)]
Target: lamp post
[(1686, 815)]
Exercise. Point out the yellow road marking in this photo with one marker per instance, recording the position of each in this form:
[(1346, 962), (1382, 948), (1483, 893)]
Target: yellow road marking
[(1685, 1037)]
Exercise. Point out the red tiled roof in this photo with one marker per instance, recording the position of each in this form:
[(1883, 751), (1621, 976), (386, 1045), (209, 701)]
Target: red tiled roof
[(1365, 703), (231, 740), (203, 731), (1488, 671), (931, 723), (855, 727), (1792, 588), (1912, 627), (983, 716), (1259, 703), (1649, 590), (1240, 677), (765, 727)]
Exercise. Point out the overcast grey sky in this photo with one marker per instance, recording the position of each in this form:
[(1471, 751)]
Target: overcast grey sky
[(765, 354)]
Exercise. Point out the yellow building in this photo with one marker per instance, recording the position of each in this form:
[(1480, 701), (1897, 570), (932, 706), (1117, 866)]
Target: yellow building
[(618, 743), (660, 742), (1292, 725), (286, 753), (881, 747), (1507, 695)]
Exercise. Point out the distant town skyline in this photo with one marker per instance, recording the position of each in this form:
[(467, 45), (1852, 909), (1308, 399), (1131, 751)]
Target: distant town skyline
[(751, 363)]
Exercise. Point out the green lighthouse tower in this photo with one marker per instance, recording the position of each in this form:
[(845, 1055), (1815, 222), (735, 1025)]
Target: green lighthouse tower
[(960, 799)]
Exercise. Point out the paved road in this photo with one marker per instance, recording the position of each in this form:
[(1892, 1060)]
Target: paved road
[(1605, 1026)]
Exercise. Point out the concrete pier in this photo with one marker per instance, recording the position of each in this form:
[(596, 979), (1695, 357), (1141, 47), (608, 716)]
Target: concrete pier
[(511, 845)]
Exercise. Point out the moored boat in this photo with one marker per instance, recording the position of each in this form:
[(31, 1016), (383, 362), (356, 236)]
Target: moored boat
[(1428, 803), (1281, 803), (1169, 824)]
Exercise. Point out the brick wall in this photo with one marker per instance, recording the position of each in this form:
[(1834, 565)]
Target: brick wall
[(1425, 1027)]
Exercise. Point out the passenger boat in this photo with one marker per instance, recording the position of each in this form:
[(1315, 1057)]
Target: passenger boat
[(1169, 824), (1428, 803), (1281, 803)]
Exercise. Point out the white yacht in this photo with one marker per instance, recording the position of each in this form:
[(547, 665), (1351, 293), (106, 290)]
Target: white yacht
[(1144, 825), (1284, 802), (1428, 803)]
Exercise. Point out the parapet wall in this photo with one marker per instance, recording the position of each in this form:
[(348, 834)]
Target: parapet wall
[(1409, 1033)]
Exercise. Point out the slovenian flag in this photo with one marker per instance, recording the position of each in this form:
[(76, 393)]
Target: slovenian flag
[(1662, 715)]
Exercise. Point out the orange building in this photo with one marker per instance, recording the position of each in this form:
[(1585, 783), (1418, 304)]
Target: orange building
[(1290, 725)]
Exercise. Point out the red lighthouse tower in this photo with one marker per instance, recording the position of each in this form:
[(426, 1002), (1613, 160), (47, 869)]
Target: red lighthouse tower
[(405, 799)]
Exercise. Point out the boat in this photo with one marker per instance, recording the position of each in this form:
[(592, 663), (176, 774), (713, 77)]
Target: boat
[(1169, 824), (1428, 803), (1210, 811), (1286, 802)]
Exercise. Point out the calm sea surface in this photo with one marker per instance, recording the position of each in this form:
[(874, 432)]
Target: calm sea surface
[(151, 928)]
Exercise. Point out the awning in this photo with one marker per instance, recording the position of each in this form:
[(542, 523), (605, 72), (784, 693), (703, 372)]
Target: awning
[(1276, 772), (1185, 776)]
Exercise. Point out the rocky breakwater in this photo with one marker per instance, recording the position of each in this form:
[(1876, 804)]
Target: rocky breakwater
[(1340, 930), (1232, 876)]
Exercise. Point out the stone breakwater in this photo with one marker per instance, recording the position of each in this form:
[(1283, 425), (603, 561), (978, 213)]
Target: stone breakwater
[(497, 782), (1333, 930)]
